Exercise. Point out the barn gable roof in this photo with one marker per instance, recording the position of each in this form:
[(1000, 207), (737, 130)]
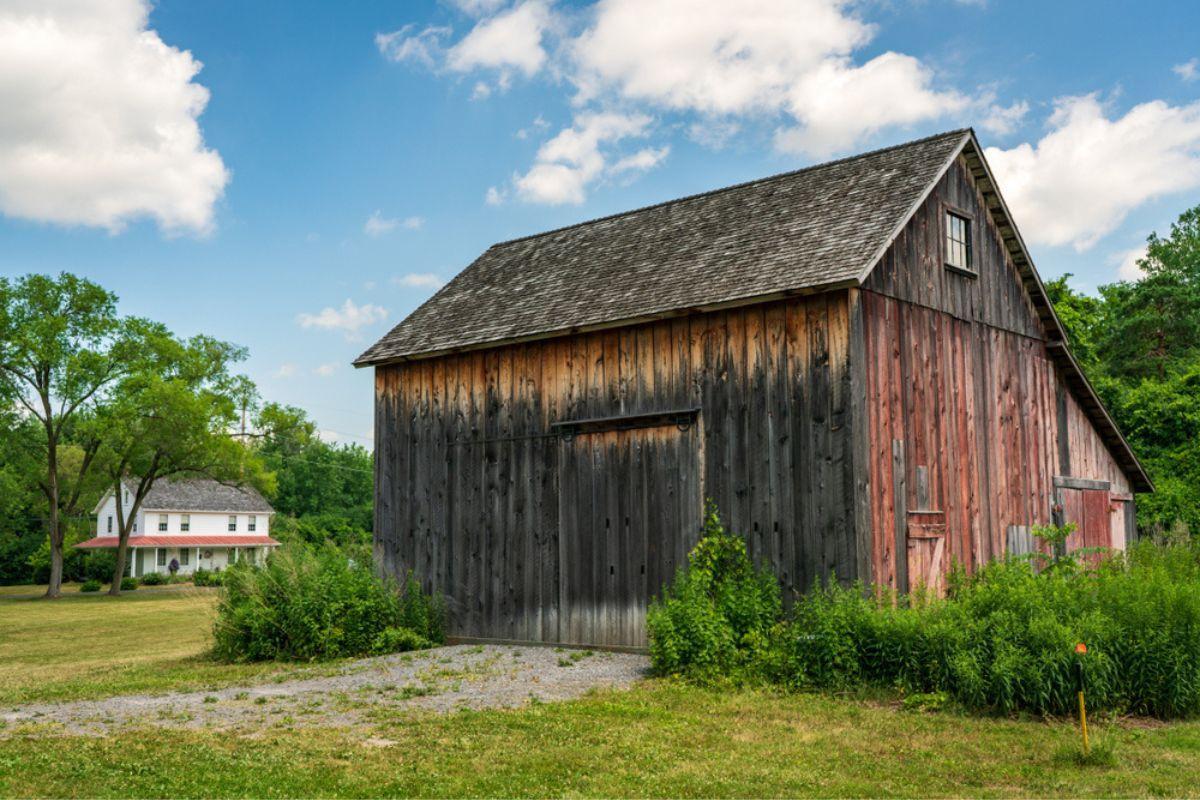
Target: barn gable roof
[(813, 228), (809, 230)]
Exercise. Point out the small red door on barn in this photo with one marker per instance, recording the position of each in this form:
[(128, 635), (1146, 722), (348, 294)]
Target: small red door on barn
[(1088, 505)]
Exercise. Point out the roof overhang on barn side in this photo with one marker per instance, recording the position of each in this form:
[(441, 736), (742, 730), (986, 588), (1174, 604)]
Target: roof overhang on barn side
[(852, 181)]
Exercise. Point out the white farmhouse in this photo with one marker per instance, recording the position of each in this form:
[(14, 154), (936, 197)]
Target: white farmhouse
[(199, 523)]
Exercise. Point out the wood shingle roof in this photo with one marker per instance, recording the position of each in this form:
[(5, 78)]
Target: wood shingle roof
[(813, 228)]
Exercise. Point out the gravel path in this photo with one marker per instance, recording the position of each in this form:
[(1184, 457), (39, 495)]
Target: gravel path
[(443, 679)]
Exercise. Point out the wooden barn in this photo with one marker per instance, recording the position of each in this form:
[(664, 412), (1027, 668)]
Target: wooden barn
[(857, 361)]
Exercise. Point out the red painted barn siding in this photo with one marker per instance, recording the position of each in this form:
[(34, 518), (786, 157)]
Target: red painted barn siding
[(957, 370)]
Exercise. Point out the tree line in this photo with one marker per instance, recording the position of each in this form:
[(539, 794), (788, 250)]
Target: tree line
[(1139, 343), (91, 400)]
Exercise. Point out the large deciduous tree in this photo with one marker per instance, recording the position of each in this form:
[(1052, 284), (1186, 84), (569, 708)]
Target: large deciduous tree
[(62, 348), (169, 418)]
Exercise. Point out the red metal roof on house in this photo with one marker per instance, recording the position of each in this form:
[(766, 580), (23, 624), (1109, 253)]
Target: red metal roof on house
[(183, 541)]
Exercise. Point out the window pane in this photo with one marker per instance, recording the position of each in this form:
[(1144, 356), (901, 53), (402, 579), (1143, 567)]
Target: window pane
[(958, 241)]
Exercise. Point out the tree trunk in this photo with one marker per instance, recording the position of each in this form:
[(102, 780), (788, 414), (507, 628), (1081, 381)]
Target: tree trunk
[(54, 589), (119, 570)]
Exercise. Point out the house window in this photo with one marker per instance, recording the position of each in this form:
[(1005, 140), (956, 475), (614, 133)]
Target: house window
[(185, 556), (110, 524), (162, 522), (185, 522), (250, 556), (958, 242), (232, 522), (252, 525), (162, 557), (135, 526)]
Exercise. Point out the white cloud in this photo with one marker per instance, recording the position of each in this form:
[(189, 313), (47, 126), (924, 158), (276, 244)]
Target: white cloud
[(642, 160), (1127, 263), (285, 371), (478, 8), (325, 370), (495, 196), (1188, 71), (378, 225), (423, 48), (789, 63), (713, 133), (419, 280), (773, 56), (569, 162), (349, 319), (539, 124), (511, 39), (1082, 179), (1003, 120), (839, 104), (100, 120)]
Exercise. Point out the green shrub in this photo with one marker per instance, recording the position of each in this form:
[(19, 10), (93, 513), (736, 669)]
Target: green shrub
[(398, 640), (1002, 640), (204, 577), (128, 584), (154, 579), (717, 608), (306, 604), (90, 585)]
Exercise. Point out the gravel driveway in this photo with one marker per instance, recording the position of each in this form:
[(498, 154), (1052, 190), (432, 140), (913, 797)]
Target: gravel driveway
[(442, 679)]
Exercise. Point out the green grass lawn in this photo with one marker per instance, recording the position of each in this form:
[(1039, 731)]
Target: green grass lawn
[(660, 739), (81, 646)]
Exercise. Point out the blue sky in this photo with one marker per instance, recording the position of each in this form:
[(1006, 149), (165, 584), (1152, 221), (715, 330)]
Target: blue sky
[(454, 125)]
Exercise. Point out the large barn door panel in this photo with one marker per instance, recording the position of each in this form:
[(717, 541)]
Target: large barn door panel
[(629, 511)]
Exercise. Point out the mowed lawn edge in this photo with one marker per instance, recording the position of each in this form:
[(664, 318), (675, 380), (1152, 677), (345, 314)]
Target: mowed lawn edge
[(88, 646), (660, 739)]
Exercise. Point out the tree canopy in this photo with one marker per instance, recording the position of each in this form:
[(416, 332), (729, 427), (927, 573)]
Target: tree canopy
[(1139, 342)]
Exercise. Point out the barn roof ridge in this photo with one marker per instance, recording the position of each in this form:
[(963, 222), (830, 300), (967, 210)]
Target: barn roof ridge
[(791, 173), (792, 232)]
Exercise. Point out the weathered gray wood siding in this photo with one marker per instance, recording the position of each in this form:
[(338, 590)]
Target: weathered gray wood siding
[(479, 495)]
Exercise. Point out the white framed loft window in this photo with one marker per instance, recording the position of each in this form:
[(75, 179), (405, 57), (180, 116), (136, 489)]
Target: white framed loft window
[(162, 522), (185, 522), (233, 522), (110, 523), (959, 256), (252, 523)]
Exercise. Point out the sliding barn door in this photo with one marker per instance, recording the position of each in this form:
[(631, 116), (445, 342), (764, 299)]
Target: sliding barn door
[(629, 511)]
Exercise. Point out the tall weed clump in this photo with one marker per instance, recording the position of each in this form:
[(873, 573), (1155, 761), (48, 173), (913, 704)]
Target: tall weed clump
[(310, 604), (1002, 640), (719, 607)]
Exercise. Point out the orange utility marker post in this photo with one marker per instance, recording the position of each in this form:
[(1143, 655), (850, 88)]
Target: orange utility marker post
[(1080, 652)]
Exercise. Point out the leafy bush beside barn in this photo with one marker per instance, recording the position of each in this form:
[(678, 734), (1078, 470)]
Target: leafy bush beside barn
[(312, 604), (1002, 640)]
